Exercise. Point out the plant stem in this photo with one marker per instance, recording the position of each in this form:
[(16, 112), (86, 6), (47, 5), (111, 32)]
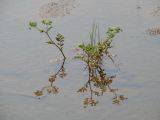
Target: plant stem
[(90, 87), (113, 91), (64, 57), (89, 81), (62, 66)]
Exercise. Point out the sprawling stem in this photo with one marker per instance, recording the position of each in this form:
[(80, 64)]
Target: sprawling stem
[(59, 70), (64, 57), (89, 81), (62, 66), (114, 92)]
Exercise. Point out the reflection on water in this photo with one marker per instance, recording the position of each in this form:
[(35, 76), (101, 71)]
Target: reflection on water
[(24, 63), (95, 92), (52, 79)]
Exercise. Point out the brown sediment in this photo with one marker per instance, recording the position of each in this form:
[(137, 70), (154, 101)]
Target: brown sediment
[(56, 8)]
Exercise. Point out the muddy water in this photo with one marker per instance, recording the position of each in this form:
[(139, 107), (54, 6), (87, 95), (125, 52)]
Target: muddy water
[(26, 61)]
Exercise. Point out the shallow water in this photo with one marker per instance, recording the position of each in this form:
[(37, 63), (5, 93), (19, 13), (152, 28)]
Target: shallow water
[(25, 61)]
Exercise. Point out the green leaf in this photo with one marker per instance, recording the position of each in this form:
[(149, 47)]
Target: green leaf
[(33, 24), (49, 42), (59, 37), (113, 30), (49, 28), (47, 22), (82, 46), (41, 30), (78, 57)]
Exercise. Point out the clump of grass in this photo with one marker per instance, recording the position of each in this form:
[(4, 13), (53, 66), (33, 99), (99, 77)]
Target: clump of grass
[(93, 54), (58, 41)]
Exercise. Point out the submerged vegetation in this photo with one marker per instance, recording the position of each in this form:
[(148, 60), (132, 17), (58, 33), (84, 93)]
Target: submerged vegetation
[(94, 54)]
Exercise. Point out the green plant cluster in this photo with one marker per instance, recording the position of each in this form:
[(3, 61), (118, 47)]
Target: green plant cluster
[(93, 55)]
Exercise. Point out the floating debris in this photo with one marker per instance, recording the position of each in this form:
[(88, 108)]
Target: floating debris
[(56, 8), (153, 31), (156, 11), (138, 6)]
